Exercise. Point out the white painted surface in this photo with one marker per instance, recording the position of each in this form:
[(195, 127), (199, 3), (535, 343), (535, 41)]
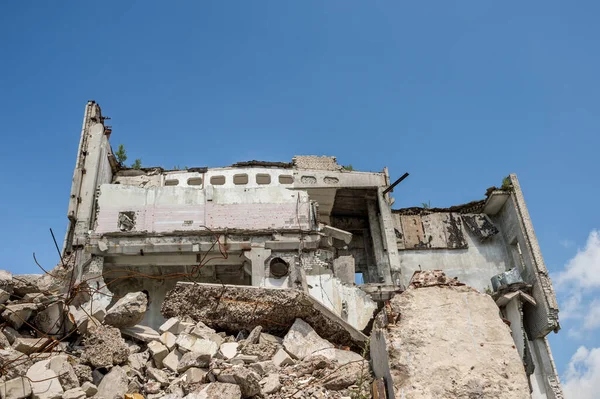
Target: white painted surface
[(332, 293)]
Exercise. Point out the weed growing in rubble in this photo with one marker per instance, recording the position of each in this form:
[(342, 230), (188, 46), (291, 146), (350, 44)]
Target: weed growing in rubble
[(137, 164), (426, 205), (506, 185), (349, 167), (121, 154)]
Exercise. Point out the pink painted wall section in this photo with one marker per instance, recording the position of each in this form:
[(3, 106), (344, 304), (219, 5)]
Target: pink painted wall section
[(168, 209)]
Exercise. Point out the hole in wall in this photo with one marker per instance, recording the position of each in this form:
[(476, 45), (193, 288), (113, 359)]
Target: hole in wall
[(240, 179), (279, 268), (171, 182), (286, 179), (194, 181), (126, 220)]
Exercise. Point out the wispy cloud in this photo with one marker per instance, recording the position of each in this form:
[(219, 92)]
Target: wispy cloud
[(567, 243), (582, 375), (583, 270)]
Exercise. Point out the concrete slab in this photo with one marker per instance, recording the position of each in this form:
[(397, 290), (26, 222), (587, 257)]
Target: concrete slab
[(234, 308)]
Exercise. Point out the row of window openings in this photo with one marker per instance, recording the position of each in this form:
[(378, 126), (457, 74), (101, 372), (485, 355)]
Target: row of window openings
[(239, 179)]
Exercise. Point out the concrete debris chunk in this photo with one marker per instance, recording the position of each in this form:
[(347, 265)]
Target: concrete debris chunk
[(141, 333), (16, 314), (24, 284), (228, 350), (254, 335), (282, 359), (158, 352), (171, 361), (247, 380), (114, 384), (104, 347), (75, 393), (6, 281), (4, 296), (15, 364), (301, 340), (44, 382), (346, 375), (193, 359), (17, 388), (152, 387), (89, 389), (217, 390), (127, 311), (271, 384), (168, 339), (137, 361), (61, 365), (158, 376), (30, 345), (264, 368), (171, 325)]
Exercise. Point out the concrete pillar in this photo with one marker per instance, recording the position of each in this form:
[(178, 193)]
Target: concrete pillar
[(257, 257), (381, 259), (389, 238)]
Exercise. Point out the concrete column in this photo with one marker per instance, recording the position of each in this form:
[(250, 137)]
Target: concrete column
[(381, 259), (257, 257), (389, 238), (100, 293)]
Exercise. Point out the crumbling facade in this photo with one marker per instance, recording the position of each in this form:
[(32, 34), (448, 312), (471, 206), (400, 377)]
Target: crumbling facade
[(308, 225)]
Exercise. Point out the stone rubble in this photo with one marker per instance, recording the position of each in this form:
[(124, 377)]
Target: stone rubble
[(54, 346)]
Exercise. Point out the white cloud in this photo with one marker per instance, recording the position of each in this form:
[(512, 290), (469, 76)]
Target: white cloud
[(583, 373), (583, 271), (592, 317)]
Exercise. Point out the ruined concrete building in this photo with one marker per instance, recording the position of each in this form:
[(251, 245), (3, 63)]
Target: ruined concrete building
[(310, 226)]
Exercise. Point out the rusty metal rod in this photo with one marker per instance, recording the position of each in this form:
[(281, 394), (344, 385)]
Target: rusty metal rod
[(394, 184)]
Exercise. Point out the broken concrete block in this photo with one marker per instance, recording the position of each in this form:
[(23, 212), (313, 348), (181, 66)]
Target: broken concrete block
[(264, 337), (247, 359), (171, 361), (44, 382), (171, 325), (271, 384), (168, 339), (247, 380), (282, 359), (138, 360), (75, 393), (127, 311), (228, 350), (264, 368), (301, 340), (83, 372), (158, 352), (205, 346), (104, 347), (114, 384), (264, 351), (158, 376), (24, 284), (254, 335), (185, 342), (4, 296), (61, 365), (11, 334), (201, 330), (30, 345), (13, 363), (4, 342), (341, 356), (345, 376), (6, 281), (141, 333), (217, 390), (152, 387), (193, 359), (89, 389), (344, 269), (17, 388), (18, 313)]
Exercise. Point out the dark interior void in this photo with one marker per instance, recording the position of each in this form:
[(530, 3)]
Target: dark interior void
[(350, 213)]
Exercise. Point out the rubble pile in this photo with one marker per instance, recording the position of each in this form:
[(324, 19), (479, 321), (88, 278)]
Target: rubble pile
[(54, 345)]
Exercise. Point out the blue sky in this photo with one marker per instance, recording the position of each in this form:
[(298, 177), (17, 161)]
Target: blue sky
[(459, 94)]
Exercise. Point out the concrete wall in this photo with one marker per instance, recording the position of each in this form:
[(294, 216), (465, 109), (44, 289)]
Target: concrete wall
[(168, 209), (473, 266)]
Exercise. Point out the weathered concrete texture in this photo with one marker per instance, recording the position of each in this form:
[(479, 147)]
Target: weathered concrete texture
[(127, 311), (234, 308), (105, 347), (419, 358)]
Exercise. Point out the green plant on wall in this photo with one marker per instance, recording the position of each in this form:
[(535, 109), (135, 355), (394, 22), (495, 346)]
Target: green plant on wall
[(426, 205), (348, 167), (121, 154), (506, 184), (137, 164)]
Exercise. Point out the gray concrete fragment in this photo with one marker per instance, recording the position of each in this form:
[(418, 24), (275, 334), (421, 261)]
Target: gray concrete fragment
[(75, 393), (89, 388), (44, 382), (61, 365), (6, 281), (247, 380), (271, 384), (264, 368), (30, 345), (229, 349), (158, 352), (168, 339), (171, 325), (193, 359), (345, 376), (104, 347), (158, 375), (302, 341), (282, 359), (17, 314), (24, 284), (114, 384), (171, 361), (217, 390), (137, 361), (141, 333), (17, 388), (127, 311), (15, 364)]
